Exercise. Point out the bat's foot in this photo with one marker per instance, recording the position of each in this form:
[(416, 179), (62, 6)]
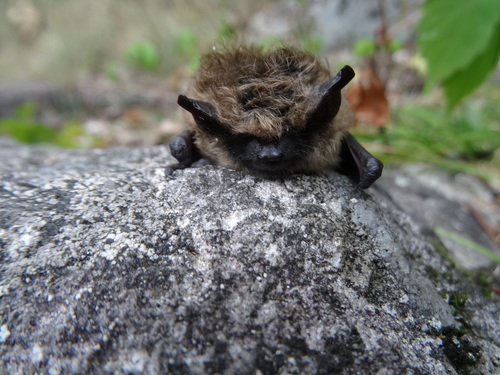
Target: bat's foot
[(169, 169)]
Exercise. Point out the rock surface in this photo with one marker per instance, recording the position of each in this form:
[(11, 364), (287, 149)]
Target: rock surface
[(437, 198), (109, 266)]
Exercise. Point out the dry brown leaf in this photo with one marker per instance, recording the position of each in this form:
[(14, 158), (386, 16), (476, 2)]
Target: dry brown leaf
[(134, 115), (368, 100)]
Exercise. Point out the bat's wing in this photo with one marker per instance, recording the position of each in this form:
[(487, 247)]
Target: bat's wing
[(358, 163)]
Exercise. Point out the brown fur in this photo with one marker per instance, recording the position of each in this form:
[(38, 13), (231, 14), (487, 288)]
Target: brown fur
[(264, 94)]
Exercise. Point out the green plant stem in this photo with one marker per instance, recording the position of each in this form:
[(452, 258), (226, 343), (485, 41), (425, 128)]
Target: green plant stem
[(470, 244)]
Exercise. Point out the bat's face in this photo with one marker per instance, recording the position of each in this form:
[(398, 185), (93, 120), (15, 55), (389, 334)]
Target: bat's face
[(270, 114)]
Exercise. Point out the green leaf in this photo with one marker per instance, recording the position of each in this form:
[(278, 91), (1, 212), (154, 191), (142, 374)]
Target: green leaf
[(110, 70), (26, 112), (24, 127), (144, 55), (186, 43), (452, 34), (364, 47), (395, 45), (312, 43), (69, 134), (226, 32), (463, 82)]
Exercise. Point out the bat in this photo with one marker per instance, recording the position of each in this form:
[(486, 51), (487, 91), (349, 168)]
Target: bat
[(271, 114)]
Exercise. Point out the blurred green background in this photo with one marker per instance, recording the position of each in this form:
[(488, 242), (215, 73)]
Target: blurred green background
[(88, 73)]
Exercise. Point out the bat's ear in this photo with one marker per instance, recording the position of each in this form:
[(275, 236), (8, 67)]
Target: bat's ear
[(204, 115), (358, 163), (329, 101)]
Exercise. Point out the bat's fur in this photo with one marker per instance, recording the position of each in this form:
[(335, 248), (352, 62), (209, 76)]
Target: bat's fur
[(266, 94)]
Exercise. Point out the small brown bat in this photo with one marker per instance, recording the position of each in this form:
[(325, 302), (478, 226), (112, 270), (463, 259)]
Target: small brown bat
[(271, 114)]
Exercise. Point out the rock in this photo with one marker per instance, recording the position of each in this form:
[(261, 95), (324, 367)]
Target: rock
[(338, 23), (109, 266), (11, 97), (438, 198)]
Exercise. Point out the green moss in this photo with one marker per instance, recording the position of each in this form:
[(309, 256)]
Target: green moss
[(485, 284), (449, 276), (481, 279), (461, 353), (458, 300), (432, 273), (441, 249)]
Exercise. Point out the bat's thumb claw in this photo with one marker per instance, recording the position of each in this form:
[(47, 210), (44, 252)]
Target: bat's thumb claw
[(169, 170)]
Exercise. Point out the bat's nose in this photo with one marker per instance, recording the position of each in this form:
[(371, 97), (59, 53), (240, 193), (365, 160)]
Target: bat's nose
[(270, 153)]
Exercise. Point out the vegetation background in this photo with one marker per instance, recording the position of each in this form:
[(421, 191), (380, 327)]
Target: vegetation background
[(102, 73)]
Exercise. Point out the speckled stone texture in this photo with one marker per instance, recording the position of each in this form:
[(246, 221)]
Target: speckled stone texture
[(110, 266)]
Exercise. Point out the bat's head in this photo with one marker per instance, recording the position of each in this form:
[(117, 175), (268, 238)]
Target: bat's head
[(270, 113)]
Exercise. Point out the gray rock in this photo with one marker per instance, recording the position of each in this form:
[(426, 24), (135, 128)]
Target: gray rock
[(437, 198), (109, 266), (339, 23)]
